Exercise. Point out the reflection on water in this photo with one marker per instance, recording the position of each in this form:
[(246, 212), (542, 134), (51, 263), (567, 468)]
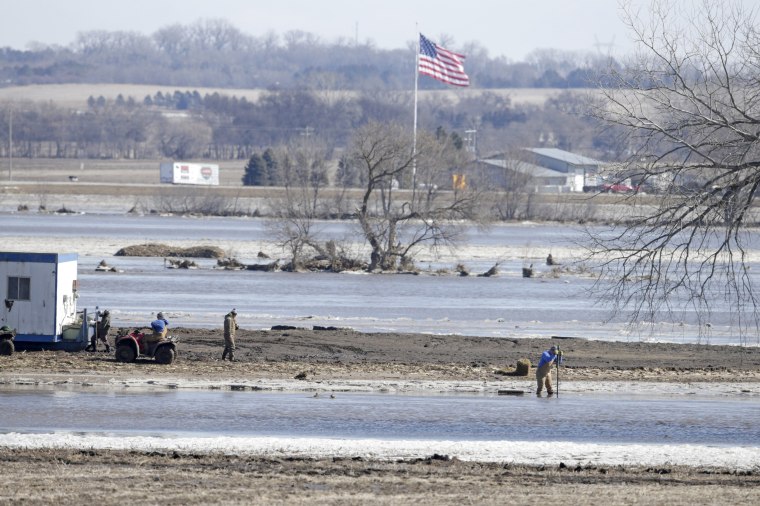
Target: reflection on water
[(593, 418)]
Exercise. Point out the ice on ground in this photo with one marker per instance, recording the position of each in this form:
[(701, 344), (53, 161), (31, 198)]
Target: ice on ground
[(549, 453)]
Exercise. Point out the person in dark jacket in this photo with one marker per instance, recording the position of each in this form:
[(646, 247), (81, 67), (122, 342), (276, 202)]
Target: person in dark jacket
[(103, 327)]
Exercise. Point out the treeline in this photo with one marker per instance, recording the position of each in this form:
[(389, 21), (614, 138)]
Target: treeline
[(188, 125), (213, 53)]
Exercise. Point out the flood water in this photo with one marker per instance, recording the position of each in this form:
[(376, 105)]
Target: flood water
[(503, 306), (506, 305), (581, 418)]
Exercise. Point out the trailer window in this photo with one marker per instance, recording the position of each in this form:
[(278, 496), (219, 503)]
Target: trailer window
[(18, 288)]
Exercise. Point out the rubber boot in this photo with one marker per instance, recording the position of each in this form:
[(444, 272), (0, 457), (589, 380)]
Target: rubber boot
[(232, 357), (224, 354)]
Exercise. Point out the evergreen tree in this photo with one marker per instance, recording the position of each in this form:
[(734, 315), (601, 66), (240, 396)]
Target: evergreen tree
[(255, 172), (457, 140), (272, 170)]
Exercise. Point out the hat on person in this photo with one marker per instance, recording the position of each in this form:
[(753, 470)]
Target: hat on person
[(234, 311), (106, 312), (553, 348), (160, 315)]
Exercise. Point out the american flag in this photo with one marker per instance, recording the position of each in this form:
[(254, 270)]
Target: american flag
[(442, 64)]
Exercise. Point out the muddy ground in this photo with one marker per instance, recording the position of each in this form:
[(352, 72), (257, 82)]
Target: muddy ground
[(114, 477), (334, 354)]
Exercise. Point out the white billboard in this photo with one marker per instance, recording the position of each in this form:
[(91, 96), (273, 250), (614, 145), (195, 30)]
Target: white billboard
[(190, 173)]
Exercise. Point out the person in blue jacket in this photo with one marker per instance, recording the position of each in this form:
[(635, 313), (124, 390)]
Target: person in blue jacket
[(544, 369), (160, 326)]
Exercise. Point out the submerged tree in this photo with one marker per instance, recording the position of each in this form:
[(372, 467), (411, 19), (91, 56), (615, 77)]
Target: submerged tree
[(690, 107), (305, 176), (407, 200)]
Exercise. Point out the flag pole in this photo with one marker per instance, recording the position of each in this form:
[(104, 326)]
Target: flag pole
[(414, 130)]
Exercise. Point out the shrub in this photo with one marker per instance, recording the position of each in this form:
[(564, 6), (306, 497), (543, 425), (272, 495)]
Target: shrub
[(523, 367)]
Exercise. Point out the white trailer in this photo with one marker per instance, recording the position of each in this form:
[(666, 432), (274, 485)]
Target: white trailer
[(40, 300), (190, 173)]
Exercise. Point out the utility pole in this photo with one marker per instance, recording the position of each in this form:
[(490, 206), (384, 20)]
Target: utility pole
[(10, 144), (471, 141)]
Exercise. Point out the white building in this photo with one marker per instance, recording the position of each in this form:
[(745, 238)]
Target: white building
[(543, 170), (40, 300), (579, 170)]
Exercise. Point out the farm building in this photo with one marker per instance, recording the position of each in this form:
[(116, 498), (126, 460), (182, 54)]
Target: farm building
[(40, 300), (580, 170), (543, 170)]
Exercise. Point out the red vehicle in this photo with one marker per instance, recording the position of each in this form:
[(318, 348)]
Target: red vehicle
[(133, 345), (618, 188)]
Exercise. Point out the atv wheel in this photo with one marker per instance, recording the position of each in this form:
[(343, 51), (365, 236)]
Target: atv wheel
[(7, 347), (165, 355), (125, 353)]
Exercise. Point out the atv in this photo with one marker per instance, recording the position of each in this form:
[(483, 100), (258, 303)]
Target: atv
[(7, 335), (133, 345)]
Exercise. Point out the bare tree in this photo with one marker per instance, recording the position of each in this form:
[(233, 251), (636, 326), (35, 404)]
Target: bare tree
[(403, 204), (193, 201), (304, 164), (689, 105), (182, 140)]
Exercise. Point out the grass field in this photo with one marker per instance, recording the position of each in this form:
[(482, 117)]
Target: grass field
[(61, 170), (132, 179)]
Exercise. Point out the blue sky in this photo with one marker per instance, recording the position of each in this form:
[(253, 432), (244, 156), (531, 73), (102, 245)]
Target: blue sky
[(510, 28)]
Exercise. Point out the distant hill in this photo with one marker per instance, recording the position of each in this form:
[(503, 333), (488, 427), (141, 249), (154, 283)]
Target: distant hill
[(215, 54)]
